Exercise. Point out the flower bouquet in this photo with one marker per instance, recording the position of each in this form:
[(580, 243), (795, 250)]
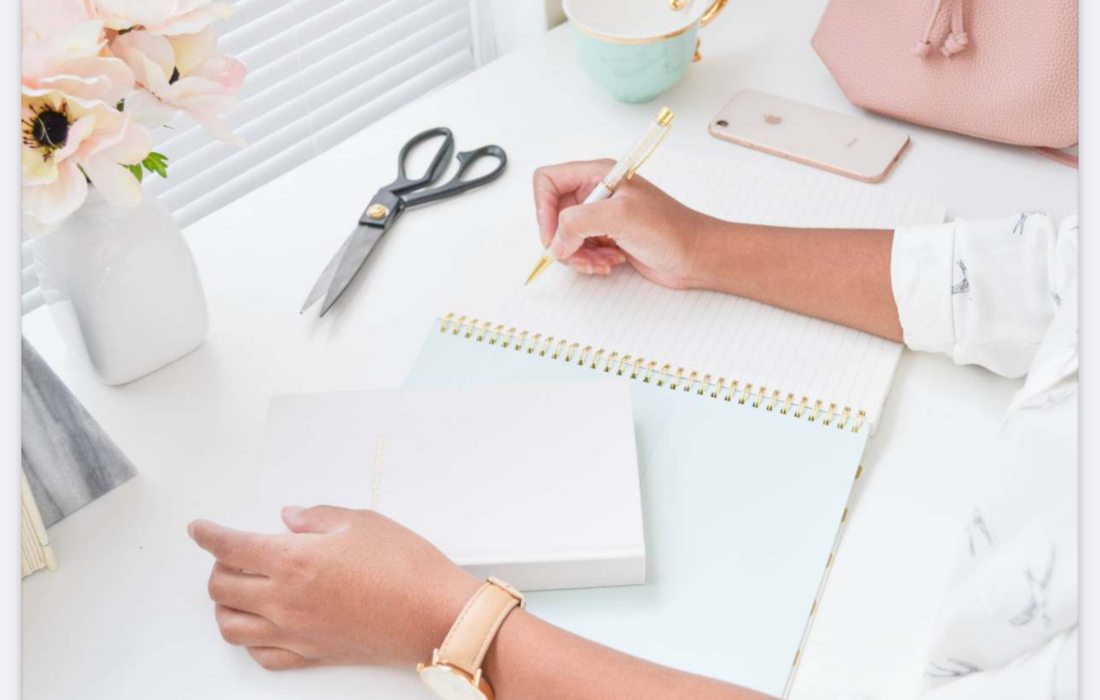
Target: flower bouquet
[(97, 77)]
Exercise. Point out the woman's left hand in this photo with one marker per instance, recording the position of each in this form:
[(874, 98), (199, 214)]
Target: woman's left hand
[(346, 587)]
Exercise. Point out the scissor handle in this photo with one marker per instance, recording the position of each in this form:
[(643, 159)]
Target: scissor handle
[(456, 185), (438, 165)]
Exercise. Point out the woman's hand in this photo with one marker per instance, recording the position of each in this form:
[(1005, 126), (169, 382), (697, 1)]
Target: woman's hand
[(641, 225), (346, 587)]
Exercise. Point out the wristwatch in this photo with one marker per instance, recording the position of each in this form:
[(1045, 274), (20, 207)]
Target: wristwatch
[(455, 670)]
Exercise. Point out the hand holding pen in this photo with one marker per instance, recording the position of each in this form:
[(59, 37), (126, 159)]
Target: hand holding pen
[(640, 225), (612, 176)]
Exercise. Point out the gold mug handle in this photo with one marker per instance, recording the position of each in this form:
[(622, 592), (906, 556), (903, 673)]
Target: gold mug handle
[(712, 12), (708, 17)]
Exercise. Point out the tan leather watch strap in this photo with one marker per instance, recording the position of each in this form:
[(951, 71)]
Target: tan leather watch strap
[(476, 627)]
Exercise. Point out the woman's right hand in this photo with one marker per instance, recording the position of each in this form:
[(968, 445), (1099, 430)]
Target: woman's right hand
[(641, 225)]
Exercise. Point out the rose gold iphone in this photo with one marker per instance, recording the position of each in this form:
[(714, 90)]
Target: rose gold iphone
[(839, 143)]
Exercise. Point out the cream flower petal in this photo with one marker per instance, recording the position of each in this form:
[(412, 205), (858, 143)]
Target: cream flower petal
[(155, 80), (189, 87), (115, 182), (54, 17), (208, 105), (193, 21), (88, 88), (148, 111), (44, 55), (133, 144), (227, 71), (100, 78), (53, 98), (137, 47), (192, 49), (50, 204), (219, 130), (102, 139), (79, 131), (106, 115), (123, 14), (38, 168)]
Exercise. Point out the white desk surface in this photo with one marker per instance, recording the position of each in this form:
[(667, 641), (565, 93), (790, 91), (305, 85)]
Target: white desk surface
[(130, 580)]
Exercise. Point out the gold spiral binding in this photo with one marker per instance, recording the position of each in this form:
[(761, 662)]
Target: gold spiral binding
[(654, 372), (787, 404), (773, 401), (596, 359)]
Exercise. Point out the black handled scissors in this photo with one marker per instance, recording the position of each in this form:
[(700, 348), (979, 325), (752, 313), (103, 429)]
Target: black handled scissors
[(390, 201)]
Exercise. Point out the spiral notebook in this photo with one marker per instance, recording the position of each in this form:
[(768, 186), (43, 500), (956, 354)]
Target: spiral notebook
[(751, 421)]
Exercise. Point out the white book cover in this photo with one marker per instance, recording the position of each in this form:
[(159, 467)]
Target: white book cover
[(537, 485)]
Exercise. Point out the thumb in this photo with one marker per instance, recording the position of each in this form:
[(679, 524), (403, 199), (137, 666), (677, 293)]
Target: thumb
[(318, 519), (584, 221)]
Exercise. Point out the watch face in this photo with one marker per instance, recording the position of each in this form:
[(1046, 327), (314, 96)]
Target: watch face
[(448, 684)]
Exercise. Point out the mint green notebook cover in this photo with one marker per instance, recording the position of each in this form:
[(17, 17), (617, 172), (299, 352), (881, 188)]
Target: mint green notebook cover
[(742, 508)]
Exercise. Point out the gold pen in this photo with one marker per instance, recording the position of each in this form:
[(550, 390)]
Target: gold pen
[(623, 169)]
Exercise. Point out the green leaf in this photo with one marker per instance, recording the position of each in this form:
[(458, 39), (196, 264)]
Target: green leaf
[(136, 170), (156, 163)]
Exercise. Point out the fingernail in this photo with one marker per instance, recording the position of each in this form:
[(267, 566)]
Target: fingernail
[(291, 510), (556, 248), (191, 530)]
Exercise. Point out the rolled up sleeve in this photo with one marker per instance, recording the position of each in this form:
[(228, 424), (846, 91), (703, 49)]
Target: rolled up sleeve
[(982, 292)]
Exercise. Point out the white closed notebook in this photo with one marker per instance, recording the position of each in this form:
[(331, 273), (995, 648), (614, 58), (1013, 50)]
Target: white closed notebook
[(537, 485)]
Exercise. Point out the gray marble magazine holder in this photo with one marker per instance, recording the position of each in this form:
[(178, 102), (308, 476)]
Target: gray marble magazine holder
[(68, 459)]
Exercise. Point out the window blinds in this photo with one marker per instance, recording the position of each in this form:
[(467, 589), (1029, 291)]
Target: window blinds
[(319, 71)]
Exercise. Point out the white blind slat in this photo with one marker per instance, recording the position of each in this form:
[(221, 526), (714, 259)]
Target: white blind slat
[(325, 102), (319, 70), (298, 72), (441, 74)]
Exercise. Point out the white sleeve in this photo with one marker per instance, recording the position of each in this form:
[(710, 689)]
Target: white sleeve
[(982, 292)]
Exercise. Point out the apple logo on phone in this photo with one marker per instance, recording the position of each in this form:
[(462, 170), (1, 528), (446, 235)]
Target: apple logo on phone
[(772, 119)]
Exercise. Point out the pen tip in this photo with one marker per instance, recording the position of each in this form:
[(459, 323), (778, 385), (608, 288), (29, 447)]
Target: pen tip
[(544, 262)]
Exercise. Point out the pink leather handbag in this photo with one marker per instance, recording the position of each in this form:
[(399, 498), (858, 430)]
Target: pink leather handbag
[(1003, 70)]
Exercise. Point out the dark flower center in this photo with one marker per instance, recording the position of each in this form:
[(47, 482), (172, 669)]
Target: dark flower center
[(51, 129), (175, 76)]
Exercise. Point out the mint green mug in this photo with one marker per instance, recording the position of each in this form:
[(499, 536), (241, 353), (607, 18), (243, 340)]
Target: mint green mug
[(637, 49)]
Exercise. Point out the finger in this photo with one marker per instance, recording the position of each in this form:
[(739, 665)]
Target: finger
[(589, 264), (610, 255), (559, 186), (577, 224), (245, 629), (278, 659), (237, 590), (318, 519), (237, 550)]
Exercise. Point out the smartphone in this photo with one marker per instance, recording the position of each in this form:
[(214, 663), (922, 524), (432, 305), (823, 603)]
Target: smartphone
[(852, 146)]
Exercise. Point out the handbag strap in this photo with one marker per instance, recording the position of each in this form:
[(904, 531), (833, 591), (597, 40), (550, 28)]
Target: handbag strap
[(1057, 156), (956, 41)]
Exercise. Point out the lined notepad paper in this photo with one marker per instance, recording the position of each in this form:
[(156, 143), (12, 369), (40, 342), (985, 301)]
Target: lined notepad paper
[(787, 355)]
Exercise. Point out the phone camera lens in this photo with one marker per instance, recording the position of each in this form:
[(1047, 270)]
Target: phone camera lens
[(722, 122)]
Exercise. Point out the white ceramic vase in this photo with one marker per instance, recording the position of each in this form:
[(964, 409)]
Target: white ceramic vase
[(122, 288)]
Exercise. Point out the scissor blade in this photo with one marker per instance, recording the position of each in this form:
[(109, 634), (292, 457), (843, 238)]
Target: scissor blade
[(358, 246), (325, 280)]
